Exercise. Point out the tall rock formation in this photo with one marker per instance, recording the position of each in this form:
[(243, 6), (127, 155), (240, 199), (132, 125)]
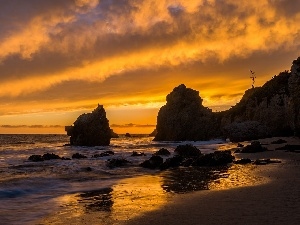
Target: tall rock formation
[(294, 90), (184, 117), (90, 129)]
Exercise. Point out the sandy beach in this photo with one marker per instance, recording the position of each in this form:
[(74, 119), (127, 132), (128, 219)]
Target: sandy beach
[(275, 201)]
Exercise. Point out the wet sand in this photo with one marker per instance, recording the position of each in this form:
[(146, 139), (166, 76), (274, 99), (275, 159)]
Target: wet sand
[(276, 201)]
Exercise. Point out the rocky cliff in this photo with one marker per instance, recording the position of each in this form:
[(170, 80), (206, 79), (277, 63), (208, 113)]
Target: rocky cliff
[(90, 129), (270, 110), (184, 117)]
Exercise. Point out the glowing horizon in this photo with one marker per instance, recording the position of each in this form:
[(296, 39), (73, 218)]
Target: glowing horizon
[(59, 59)]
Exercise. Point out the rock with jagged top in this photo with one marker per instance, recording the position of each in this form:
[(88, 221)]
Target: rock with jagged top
[(184, 117), (90, 129)]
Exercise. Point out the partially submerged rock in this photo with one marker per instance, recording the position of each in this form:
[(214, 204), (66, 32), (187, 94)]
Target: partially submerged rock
[(187, 151), (254, 147), (78, 156), (163, 151), (243, 161), (40, 158), (103, 154), (153, 163), (266, 161), (91, 129), (117, 162), (134, 153)]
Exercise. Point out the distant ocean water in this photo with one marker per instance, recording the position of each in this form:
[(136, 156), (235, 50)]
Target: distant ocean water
[(30, 190)]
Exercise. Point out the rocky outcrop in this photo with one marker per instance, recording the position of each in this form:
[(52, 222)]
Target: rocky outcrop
[(91, 129), (184, 117), (267, 108), (294, 90), (245, 131)]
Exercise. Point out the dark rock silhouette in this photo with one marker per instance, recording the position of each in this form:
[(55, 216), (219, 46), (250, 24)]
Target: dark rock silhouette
[(78, 156), (184, 117), (153, 163), (103, 154), (40, 158), (279, 141), (113, 134), (117, 162), (91, 129), (153, 133), (127, 135), (254, 147), (163, 151), (134, 153), (243, 161), (245, 131), (187, 151)]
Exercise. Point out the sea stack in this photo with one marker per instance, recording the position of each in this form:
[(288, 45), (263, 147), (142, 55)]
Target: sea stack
[(90, 129), (184, 117)]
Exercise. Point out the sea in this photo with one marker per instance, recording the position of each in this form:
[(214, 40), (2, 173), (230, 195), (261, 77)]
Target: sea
[(61, 191)]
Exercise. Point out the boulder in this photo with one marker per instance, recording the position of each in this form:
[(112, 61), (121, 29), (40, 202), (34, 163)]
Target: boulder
[(78, 156), (103, 154), (91, 129), (184, 117), (243, 161), (49, 156), (117, 162), (245, 131), (153, 163), (279, 141), (134, 153), (218, 158), (172, 162), (163, 151), (36, 158), (127, 135), (254, 147), (187, 151)]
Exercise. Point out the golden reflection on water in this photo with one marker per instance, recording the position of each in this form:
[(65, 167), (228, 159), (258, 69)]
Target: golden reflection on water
[(129, 198), (132, 197)]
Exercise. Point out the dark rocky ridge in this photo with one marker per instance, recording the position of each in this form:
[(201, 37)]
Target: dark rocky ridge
[(90, 129), (270, 110)]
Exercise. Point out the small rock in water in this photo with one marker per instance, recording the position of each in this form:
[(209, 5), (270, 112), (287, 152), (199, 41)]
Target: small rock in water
[(266, 161), (187, 151), (103, 154), (134, 153), (78, 156), (162, 151), (254, 147), (36, 158), (49, 156), (118, 162), (279, 141), (243, 161), (153, 163)]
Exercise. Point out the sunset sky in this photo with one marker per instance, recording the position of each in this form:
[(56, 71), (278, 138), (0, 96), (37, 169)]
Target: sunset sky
[(60, 58)]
